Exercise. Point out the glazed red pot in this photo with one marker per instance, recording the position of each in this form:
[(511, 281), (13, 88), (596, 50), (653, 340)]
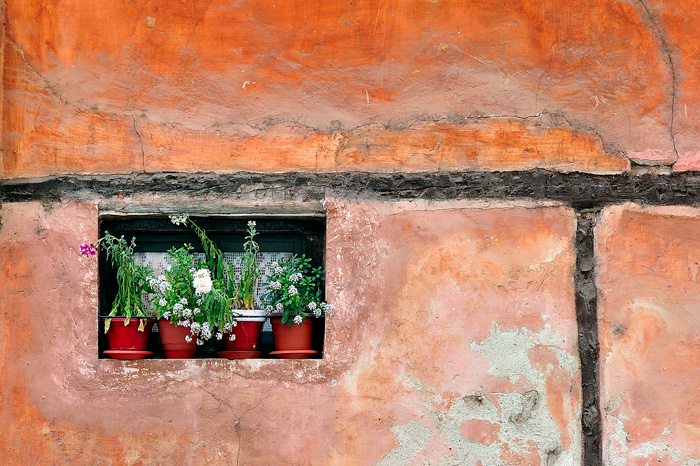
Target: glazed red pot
[(291, 337), (128, 337), (173, 338), (247, 334)]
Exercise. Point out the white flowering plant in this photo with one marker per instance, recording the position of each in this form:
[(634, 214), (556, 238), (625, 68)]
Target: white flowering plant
[(241, 292), (296, 291), (187, 296)]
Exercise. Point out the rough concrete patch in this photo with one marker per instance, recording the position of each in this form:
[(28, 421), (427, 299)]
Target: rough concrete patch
[(617, 452), (525, 425), (507, 353), (412, 438)]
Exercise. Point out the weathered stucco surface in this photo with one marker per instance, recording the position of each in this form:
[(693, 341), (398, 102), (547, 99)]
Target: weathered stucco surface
[(453, 342), (649, 334), (575, 85)]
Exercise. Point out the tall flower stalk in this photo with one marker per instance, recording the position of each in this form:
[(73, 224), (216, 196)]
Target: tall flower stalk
[(250, 271), (241, 292)]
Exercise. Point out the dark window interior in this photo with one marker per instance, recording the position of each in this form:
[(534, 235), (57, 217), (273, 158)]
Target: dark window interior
[(158, 234)]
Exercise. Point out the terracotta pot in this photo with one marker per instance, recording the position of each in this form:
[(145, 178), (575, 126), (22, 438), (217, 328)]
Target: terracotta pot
[(247, 331), (291, 337), (247, 334), (173, 339), (128, 337)]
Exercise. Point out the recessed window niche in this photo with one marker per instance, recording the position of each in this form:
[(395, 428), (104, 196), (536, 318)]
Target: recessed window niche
[(278, 238)]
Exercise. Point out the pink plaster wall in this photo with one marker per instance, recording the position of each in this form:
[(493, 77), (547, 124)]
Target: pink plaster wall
[(649, 334), (453, 341)]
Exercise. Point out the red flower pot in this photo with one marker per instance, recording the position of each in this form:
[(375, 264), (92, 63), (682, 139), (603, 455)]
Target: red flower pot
[(173, 338), (291, 337), (128, 337), (247, 333)]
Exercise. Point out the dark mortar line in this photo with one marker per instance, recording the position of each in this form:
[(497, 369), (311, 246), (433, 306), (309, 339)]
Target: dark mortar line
[(578, 190), (671, 65), (587, 319)]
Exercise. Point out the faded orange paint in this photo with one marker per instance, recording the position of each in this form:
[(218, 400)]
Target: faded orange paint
[(118, 87), (649, 335)]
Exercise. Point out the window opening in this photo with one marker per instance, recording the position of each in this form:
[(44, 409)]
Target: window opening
[(278, 238)]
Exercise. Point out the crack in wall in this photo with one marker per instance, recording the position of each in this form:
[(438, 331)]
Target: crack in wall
[(672, 67), (335, 128), (138, 136)]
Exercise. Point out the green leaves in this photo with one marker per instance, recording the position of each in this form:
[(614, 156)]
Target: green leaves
[(296, 290), (132, 279), (250, 271)]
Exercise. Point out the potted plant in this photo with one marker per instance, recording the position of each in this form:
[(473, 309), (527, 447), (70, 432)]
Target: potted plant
[(240, 324), (188, 302), (295, 297), (128, 324)]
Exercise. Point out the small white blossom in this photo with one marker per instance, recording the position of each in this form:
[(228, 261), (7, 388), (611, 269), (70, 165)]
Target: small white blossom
[(275, 285), (219, 335), (235, 323), (231, 337), (295, 277), (166, 315), (327, 307), (163, 302), (199, 342), (187, 313), (179, 219), (197, 311), (199, 302), (312, 305), (292, 290), (202, 281), (298, 320), (279, 307), (178, 307), (188, 339), (183, 301), (318, 312), (278, 270)]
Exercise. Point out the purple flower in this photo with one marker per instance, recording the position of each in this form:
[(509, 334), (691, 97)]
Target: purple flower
[(88, 249)]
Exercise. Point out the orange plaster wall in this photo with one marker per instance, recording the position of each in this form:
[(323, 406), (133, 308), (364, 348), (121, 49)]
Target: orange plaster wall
[(450, 318), (118, 87)]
